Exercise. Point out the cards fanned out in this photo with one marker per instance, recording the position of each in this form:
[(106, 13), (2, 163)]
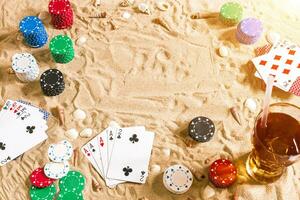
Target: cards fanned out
[(282, 62), (121, 154), (22, 126)]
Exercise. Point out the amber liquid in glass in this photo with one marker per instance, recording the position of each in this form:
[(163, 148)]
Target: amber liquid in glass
[(274, 147)]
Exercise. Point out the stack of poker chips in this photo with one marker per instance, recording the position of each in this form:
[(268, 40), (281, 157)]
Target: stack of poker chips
[(25, 67), (231, 13), (61, 13), (34, 32), (61, 48), (249, 31), (52, 82)]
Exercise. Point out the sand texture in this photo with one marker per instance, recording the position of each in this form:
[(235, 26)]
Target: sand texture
[(160, 71)]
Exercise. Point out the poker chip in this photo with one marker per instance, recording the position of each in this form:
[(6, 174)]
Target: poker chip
[(56, 170), (177, 179), (222, 173), (60, 152), (249, 31), (61, 48), (25, 67), (201, 129), (231, 13), (33, 31), (46, 193), (69, 196), (52, 82), (61, 13), (39, 179), (73, 182)]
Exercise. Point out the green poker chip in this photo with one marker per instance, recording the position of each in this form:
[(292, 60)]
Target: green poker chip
[(61, 48), (69, 196), (74, 181), (46, 193), (231, 13)]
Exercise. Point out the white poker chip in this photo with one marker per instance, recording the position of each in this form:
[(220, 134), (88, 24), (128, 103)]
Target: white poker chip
[(61, 151), (56, 170), (177, 179), (25, 67)]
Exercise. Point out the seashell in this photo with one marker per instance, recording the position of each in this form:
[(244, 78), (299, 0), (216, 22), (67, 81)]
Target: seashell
[(10, 71), (126, 15), (208, 192), (236, 115), (86, 133), (100, 15), (81, 40), (144, 8), (44, 15), (223, 51), (79, 115), (113, 25), (61, 115), (166, 152), (96, 186), (273, 37), (162, 23), (251, 104), (155, 169), (190, 142), (97, 3), (197, 174), (19, 36), (72, 133), (204, 15), (162, 5), (126, 3)]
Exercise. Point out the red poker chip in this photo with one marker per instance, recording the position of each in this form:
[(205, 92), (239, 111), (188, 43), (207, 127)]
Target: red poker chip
[(222, 173), (39, 179), (61, 13), (59, 6)]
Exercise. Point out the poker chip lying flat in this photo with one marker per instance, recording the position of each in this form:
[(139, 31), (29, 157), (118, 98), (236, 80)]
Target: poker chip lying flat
[(60, 152), (222, 173), (56, 170), (39, 179), (231, 13), (52, 82), (201, 129), (69, 196), (177, 179), (46, 193), (74, 181), (249, 31)]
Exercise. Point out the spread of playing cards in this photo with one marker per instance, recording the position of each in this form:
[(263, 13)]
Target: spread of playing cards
[(150, 100)]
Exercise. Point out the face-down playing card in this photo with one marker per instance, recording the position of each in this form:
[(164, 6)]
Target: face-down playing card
[(131, 155)]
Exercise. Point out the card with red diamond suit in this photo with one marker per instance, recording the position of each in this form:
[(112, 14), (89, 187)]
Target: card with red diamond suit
[(283, 64)]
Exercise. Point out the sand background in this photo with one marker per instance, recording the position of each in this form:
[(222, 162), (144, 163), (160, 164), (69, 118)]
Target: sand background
[(161, 76)]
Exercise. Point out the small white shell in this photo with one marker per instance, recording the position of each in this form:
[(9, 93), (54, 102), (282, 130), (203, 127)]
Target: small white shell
[(114, 124), (251, 104), (166, 152), (208, 192), (162, 5), (97, 2), (144, 8), (44, 16), (72, 133), (81, 40), (273, 37), (155, 169), (223, 51), (86, 133), (79, 115), (126, 15)]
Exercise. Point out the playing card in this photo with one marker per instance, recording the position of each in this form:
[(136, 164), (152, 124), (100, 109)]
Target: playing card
[(87, 151), (283, 64), (131, 155)]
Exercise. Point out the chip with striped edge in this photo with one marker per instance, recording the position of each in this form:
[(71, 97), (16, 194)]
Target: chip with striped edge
[(74, 181), (46, 193), (39, 179)]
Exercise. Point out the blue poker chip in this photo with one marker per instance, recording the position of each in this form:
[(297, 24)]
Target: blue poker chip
[(30, 24)]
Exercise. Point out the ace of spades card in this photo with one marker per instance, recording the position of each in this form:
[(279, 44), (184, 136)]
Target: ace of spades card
[(131, 155)]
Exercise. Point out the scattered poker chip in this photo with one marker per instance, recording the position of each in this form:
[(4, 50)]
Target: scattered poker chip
[(201, 129), (74, 181), (177, 179), (61, 13), (39, 179), (33, 31), (61, 48), (249, 31), (222, 173), (56, 170), (46, 193), (231, 13), (52, 82), (69, 196), (61, 151)]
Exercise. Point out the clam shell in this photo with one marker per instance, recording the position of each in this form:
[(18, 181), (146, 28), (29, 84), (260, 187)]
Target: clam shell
[(144, 8), (162, 5), (72, 133)]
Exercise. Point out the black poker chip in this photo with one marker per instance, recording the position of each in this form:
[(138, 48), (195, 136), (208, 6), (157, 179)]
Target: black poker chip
[(52, 82), (201, 129)]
